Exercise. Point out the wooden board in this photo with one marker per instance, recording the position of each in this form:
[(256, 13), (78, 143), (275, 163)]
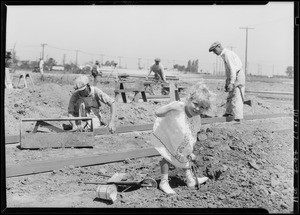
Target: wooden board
[(158, 96), (55, 119), (46, 166), (125, 129), (270, 92), (12, 139), (147, 127), (57, 140)]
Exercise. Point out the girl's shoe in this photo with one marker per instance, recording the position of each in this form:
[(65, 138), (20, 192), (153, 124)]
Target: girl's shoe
[(192, 183), (164, 186)]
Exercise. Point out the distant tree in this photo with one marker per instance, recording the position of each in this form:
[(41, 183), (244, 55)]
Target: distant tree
[(290, 71), (189, 66), (196, 65), (50, 63), (13, 60), (109, 63), (70, 67), (25, 64), (192, 66), (179, 67)]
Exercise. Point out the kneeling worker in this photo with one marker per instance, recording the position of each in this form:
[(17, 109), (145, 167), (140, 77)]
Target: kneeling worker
[(86, 102)]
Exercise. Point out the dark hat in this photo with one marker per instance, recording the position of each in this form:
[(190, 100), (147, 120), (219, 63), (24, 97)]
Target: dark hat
[(213, 46), (157, 59)]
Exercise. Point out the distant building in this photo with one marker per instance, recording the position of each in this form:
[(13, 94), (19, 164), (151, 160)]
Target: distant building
[(58, 68)]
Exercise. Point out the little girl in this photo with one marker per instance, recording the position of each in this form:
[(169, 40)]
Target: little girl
[(175, 133)]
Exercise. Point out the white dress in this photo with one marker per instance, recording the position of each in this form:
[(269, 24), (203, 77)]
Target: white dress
[(175, 135)]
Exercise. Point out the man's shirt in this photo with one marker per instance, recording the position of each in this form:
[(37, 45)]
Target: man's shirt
[(233, 67), (93, 100), (159, 70)]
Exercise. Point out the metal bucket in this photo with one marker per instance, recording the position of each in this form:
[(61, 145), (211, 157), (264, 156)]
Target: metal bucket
[(107, 192)]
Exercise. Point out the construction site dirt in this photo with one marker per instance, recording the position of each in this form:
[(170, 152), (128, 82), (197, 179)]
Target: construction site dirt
[(249, 164)]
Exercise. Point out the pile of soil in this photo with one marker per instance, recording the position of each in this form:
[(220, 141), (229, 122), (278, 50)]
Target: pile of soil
[(249, 164)]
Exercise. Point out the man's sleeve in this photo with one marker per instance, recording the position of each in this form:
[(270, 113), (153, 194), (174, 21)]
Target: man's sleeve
[(71, 107), (231, 66), (163, 72), (103, 97)]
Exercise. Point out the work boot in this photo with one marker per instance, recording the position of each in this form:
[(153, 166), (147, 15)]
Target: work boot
[(227, 114), (192, 183), (191, 179), (164, 186)]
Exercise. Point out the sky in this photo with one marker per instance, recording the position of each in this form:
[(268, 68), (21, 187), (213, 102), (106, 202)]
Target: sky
[(132, 34)]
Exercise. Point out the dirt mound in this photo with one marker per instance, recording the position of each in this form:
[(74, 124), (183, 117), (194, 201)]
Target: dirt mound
[(249, 164)]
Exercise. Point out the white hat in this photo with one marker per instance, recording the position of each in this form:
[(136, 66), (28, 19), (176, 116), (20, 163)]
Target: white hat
[(213, 46), (80, 83)]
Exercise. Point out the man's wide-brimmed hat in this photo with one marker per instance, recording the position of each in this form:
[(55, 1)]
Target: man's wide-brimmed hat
[(81, 83), (213, 46), (157, 59)]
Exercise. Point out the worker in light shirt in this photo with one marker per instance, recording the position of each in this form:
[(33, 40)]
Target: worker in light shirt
[(158, 70), (235, 81), (86, 102)]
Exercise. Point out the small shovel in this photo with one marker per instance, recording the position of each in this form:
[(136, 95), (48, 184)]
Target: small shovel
[(147, 182), (248, 102)]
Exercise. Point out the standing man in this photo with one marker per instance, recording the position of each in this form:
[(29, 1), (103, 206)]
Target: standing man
[(8, 83), (41, 67), (96, 71), (86, 102), (235, 81), (158, 70)]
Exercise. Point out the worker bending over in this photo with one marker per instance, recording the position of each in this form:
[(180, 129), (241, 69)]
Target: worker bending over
[(158, 70), (86, 102)]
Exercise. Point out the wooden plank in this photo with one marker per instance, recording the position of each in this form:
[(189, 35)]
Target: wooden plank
[(147, 127), (158, 96), (46, 166), (124, 129), (247, 117), (51, 127), (56, 119), (270, 92), (12, 139), (129, 90), (57, 140), (275, 97), (172, 92)]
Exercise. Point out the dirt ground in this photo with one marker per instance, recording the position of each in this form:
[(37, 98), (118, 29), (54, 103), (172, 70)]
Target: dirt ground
[(249, 164)]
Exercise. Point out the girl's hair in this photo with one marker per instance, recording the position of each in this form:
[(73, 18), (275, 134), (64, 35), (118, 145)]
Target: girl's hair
[(200, 92)]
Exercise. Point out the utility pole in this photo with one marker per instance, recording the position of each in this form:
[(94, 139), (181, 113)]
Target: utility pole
[(76, 57), (139, 63), (231, 47), (64, 59), (147, 63), (43, 49), (120, 61), (246, 28)]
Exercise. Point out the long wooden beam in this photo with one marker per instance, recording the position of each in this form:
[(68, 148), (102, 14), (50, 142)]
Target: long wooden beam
[(56, 119), (270, 92), (147, 127), (276, 97), (46, 166)]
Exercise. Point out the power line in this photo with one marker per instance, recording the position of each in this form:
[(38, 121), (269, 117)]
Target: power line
[(271, 21)]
